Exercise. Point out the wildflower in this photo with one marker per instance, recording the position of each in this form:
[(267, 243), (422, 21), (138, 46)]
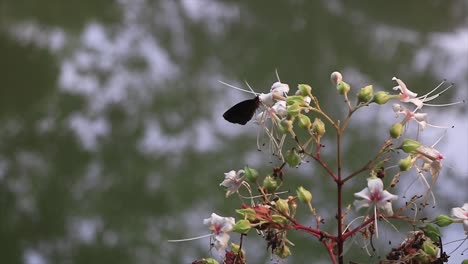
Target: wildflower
[(269, 122), (375, 195), (461, 214), (408, 96), (420, 118), (220, 226), (280, 88), (233, 181)]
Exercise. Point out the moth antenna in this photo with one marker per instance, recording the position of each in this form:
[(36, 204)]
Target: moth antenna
[(248, 85), (240, 89)]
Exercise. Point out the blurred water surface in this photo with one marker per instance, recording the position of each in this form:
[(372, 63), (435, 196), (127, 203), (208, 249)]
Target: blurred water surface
[(112, 139)]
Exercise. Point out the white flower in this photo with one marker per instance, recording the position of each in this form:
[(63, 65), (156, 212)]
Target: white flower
[(268, 121), (420, 118), (408, 96), (375, 195), (233, 181), (431, 158), (461, 213), (220, 226), (280, 88)]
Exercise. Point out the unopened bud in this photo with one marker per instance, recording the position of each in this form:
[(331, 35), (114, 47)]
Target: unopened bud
[(304, 195), (382, 97), (304, 122), (294, 110), (336, 77), (365, 94), (282, 206), (295, 99), (396, 130), (304, 89), (443, 220), (206, 261), (242, 226), (279, 219), (247, 213), (406, 164), (286, 126), (318, 127), (429, 247), (283, 251), (342, 87), (292, 158), (250, 174), (270, 184), (409, 145)]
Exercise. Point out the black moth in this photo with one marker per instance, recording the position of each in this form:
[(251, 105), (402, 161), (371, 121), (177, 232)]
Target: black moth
[(242, 112)]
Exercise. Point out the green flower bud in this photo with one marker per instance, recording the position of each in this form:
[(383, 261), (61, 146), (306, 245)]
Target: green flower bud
[(250, 174), (318, 127), (304, 89), (270, 184), (235, 248), (294, 110), (242, 227), (282, 206), (279, 219), (465, 261), (382, 97), (365, 94), (292, 158), (304, 121), (342, 87), (286, 126), (247, 213), (294, 99), (443, 220), (283, 252), (396, 130), (304, 195), (422, 257), (406, 163), (430, 248), (409, 145), (432, 232)]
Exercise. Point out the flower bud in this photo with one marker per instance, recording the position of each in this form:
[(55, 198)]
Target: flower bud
[(304, 195), (429, 248), (304, 122), (432, 232), (242, 226), (282, 206), (247, 213), (286, 126), (279, 219), (365, 94), (342, 87), (292, 158), (409, 145), (294, 110), (396, 130), (250, 174), (270, 184), (443, 220), (336, 77), (406, 163), (304, 89), (283, 252), (382, 97), (294, 99), (318, 127)]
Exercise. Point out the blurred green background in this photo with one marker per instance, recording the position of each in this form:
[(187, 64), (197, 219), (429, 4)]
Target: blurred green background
[(112, 139)]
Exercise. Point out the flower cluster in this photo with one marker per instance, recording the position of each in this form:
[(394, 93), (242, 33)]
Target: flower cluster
[(272, 213)]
